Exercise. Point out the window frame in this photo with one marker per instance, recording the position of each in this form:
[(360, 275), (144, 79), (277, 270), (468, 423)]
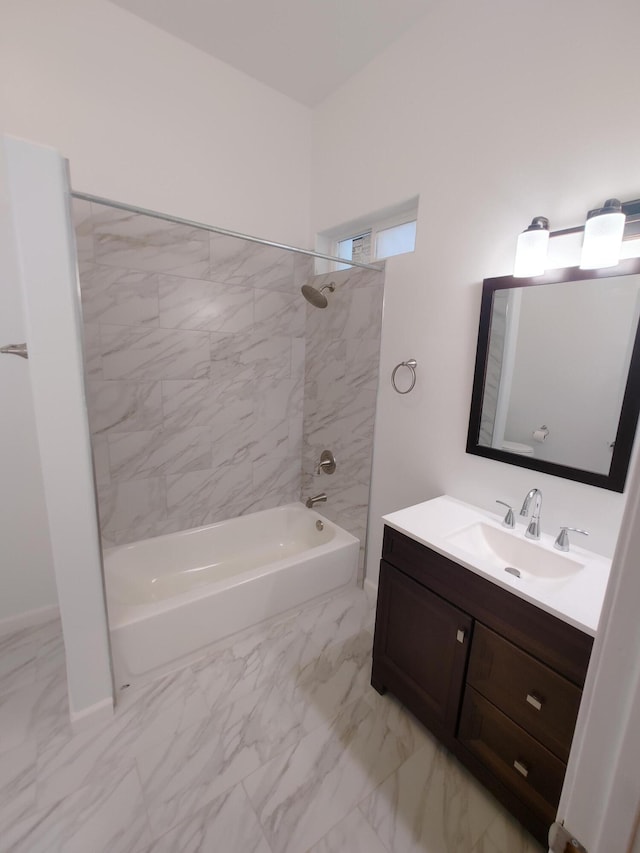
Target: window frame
[(374, 228)]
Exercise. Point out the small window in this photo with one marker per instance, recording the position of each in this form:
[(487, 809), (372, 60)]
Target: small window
[(396, 240), (380, 238), (355, 249)]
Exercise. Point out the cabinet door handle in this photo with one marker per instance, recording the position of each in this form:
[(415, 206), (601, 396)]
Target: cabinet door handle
[(461, 635), (522, 768), (533, 700)]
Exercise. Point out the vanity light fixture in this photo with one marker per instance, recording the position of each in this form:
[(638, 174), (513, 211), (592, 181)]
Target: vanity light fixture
[(603, 232), (605, 229), (531, 251)]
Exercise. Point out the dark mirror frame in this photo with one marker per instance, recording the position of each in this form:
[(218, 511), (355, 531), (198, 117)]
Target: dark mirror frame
[(615, 479)]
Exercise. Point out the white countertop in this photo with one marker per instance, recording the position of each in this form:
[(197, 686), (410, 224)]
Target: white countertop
[(576, 599)]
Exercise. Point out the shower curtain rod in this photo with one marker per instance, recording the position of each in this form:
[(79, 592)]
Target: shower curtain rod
[(131, 208)]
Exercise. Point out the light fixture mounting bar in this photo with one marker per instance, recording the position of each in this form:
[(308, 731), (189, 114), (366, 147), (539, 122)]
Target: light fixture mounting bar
[(631, 209)]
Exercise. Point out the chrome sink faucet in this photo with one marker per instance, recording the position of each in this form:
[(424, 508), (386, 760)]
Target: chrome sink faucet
[(533, 528)]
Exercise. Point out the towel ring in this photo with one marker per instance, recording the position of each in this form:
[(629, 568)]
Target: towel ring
[(411, 364)]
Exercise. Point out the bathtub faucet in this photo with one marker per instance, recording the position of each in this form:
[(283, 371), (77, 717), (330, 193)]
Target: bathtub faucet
[(316, 499)]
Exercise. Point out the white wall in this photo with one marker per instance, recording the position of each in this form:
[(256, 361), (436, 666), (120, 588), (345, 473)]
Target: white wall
[(38, 188), (146, 119), (26, 564), (494, 112)]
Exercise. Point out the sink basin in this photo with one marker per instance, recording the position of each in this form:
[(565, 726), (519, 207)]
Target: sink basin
[(568, 585), (508, 550)]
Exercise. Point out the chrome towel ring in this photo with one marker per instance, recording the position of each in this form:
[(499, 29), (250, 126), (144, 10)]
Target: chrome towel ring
[(411, 364)]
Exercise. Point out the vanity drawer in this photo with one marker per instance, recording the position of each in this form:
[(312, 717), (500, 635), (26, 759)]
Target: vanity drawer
[(533, 773), (534, 696)]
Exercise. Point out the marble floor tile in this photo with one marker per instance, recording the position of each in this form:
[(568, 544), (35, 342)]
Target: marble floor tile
[(144, 716), (339, 618), (275, 743), (337, 677), (106, 817), (50, 657), (273, 654), (227, 823), (505, 835), (351, 835), (37, 712), (18, 652), (181, 775), (301, 794), (421, 807), (17, 783), (398, 718), (431, 804)]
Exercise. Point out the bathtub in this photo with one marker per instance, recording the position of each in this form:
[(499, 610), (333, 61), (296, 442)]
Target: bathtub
[(171, 597)]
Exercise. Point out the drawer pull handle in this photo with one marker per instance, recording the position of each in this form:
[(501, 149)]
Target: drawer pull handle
[(532, 699), (522, 769), (460, 636)]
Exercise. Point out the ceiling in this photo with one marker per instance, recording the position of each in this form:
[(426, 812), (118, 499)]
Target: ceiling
[(305, 49)]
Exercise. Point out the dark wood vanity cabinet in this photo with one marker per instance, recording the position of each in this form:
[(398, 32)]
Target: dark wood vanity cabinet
[(495, 678), (423, 652)]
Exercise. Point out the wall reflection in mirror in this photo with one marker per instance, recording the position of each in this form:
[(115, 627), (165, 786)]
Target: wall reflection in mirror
[(554, 388)]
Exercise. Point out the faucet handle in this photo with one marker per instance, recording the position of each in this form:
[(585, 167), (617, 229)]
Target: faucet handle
[(508, 520), (562, 539), (327, 463)]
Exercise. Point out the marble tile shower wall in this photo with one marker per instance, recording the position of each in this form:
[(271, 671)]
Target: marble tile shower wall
[(340, 389), (195, 353), (494, 367)]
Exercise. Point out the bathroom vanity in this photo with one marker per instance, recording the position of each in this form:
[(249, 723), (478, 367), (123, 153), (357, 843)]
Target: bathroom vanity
[(491, 663)]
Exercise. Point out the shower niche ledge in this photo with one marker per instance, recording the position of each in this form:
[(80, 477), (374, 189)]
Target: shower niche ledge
[(493, 666)]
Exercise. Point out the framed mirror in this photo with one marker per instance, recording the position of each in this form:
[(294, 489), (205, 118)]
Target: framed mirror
[(557, 377)]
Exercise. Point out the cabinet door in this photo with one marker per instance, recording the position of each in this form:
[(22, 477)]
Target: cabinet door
[(420, 649)]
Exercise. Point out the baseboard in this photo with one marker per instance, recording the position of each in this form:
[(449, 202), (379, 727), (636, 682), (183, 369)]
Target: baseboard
[(30, 619), (95, 715), (371, 588)]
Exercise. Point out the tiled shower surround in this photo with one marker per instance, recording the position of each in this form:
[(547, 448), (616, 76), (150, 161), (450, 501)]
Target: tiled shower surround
[(197, 392), (494, 367), (340, 388)]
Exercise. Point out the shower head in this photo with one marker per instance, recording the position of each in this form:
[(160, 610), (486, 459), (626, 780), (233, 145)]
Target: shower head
[(317, 297)]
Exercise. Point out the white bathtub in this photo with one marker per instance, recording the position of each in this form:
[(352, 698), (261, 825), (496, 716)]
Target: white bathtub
[(171, 597)]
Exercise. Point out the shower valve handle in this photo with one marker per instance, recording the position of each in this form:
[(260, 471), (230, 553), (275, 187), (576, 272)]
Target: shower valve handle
[(327, 463)]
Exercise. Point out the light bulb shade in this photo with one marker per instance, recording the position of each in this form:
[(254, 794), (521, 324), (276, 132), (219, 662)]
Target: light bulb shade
[(531, 250), (603, 233)]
